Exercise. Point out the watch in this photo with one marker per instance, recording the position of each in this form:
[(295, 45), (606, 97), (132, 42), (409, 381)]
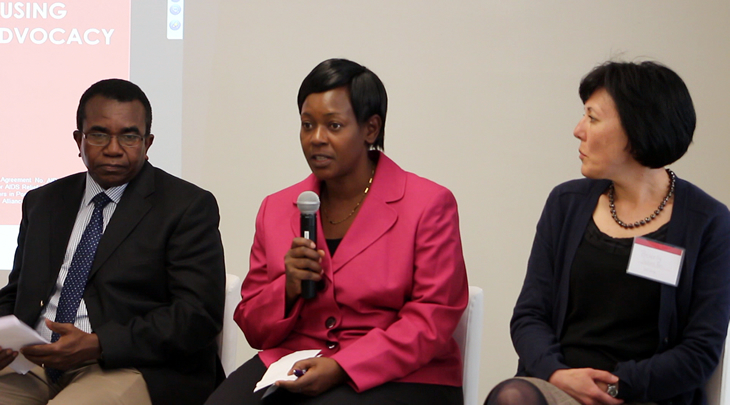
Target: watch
[(612, 390)]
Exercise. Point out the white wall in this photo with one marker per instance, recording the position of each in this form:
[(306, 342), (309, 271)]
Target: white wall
[(4, 277), (483, 99)]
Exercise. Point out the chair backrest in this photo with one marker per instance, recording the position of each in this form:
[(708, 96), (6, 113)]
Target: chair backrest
[(228, 338), (468, 335), (717, 386)]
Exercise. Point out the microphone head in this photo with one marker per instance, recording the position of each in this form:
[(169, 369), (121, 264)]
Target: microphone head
[(308, 202)]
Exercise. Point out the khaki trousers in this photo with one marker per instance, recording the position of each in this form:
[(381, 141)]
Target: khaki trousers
[(556, 396), (88, 384)]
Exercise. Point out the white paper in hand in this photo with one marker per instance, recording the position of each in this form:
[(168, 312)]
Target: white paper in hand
[(278, 370), (15, 334)]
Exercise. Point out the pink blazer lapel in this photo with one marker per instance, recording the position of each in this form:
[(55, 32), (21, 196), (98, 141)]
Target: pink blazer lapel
[(376, 216), (373, 221)]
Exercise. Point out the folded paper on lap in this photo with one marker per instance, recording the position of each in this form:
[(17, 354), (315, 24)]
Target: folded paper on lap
[(279, 369), (14, 335)]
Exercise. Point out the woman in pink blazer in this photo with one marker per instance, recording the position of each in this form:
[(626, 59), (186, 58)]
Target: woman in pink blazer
[(388, 263)]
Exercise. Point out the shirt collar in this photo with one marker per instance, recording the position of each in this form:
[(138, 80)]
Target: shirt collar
[(93, 188)]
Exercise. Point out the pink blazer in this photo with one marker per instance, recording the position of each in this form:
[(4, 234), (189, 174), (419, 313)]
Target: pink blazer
[(394, 291)]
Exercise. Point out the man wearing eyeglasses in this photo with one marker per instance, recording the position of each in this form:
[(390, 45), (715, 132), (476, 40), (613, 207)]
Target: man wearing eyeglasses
[(121, 268)]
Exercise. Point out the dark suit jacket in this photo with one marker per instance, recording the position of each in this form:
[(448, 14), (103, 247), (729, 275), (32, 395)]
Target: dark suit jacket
[(155, 292)]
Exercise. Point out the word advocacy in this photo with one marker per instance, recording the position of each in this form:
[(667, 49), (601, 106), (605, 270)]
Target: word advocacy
[(57, 36)]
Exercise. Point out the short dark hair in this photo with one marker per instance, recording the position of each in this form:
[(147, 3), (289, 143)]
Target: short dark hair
[(654, 106), (367, 93), (114, 89)]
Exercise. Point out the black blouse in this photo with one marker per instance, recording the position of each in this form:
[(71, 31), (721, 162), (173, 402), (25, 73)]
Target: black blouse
[(332, 245), (612, 316)]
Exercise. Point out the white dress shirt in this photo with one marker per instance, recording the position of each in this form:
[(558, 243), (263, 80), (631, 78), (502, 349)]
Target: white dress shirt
[(82, 220)]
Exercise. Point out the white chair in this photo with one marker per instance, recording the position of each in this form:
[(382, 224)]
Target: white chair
[(717, 387), (468, 335), (228, 338)]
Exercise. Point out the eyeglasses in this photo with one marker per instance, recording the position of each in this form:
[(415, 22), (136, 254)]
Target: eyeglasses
[(101, 139)]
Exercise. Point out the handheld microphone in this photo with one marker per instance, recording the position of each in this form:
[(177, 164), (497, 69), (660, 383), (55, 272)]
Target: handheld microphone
[(308, 204)]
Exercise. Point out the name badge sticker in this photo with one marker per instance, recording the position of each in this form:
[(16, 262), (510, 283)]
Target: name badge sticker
[(656, 261)]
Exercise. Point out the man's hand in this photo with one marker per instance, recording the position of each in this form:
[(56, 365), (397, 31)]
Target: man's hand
[(586, 385), (322, 373), (6, 357), (73, 348)]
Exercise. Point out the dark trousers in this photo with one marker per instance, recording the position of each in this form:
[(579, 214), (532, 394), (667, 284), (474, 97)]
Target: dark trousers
[(237, 389)]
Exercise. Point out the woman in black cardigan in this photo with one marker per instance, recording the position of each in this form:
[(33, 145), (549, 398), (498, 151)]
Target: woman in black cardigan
[(590, 326)]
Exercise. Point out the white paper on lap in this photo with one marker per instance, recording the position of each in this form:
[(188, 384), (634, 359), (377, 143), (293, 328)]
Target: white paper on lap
[(14, 335), (279, 369)]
